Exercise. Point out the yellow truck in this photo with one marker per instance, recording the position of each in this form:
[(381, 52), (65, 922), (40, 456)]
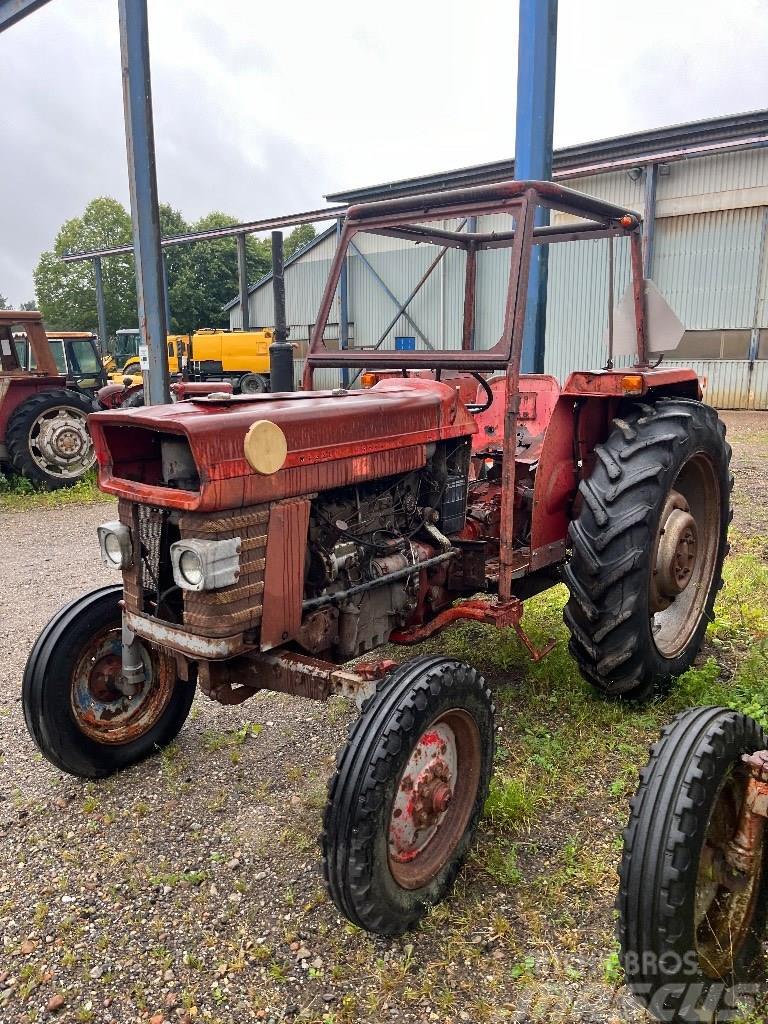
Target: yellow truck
[(241, 357)]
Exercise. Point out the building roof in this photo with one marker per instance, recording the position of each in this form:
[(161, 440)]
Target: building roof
[(301, 251), (659, 145), (676, 142)]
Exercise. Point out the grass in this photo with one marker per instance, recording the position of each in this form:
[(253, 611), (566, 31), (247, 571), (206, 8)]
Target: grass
[(18, 494)]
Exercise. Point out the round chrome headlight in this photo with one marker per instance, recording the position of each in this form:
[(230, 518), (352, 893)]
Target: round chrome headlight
[(191, 567), (113, 550)]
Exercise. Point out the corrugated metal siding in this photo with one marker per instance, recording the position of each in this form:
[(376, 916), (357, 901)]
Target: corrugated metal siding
[(721, 173), (706, 267), (616, 187), (731, 383), (577, 303)]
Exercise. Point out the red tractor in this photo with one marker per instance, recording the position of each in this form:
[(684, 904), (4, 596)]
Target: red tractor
[(270, 541), (43, 421)]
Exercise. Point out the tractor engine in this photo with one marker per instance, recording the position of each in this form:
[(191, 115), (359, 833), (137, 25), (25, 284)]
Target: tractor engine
[(363, 544), (316, 521)]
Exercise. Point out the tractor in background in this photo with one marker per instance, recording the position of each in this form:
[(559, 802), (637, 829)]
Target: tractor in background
[(43, 415), (77, 356)]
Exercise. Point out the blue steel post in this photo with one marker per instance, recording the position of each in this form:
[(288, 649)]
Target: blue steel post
[(142, 181), (343, 309), (536, 55), (101, 310)]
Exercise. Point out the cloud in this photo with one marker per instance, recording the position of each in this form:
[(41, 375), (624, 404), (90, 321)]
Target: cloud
[(261, 109)]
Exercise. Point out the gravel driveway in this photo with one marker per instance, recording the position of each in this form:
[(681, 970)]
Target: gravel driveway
[(188, 888)]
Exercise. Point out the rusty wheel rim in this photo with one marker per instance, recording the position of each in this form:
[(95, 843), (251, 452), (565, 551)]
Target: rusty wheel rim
[(102, 712), (685, 556), (725, 901), (434, 799), (60, 444)]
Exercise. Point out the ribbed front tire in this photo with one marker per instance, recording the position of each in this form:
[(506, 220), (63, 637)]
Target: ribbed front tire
[(409, 789), (688, 934)]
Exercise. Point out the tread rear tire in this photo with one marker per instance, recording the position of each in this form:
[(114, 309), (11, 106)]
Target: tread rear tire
[(22, 422), (670, 818), (614, 541), (361, 878)]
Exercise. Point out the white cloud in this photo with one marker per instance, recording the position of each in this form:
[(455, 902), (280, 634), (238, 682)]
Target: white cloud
[(261, 108)]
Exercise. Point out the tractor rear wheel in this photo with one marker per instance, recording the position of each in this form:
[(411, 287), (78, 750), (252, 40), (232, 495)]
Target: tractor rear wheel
[(648, 546), (690, 924), (79, 719), (48, 439), (409, 789)]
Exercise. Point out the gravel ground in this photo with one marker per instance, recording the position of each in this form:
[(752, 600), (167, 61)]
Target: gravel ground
[(189, 887)]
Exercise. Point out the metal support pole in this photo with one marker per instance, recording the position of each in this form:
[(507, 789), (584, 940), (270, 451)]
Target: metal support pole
[(649, 217), (242, 274), (142, 181), (101, 309), (536, 57), (470, 282), (343, 309), (280, 351), (166, 294)]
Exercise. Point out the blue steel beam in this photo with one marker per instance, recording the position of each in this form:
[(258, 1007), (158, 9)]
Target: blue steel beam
[(536, 56), (12, 11), (142, 181)]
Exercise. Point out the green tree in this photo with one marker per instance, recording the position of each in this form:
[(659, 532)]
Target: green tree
[(3, 302), (298, 238), (66, 291), (208, 277), (29, 304)]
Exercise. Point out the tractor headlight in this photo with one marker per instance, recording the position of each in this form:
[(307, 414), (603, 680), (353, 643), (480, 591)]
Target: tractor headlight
[(205, 564), (115, 545), (191, 568)]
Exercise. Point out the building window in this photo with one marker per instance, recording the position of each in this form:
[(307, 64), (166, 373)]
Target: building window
[(717, 345)]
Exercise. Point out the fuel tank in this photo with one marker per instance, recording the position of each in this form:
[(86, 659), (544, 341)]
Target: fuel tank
[(190, 455)]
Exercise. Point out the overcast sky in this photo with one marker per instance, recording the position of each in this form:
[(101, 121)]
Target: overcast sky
[(262, 108)]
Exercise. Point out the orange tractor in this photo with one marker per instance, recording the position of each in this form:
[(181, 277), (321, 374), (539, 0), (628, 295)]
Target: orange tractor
[(271, 541)]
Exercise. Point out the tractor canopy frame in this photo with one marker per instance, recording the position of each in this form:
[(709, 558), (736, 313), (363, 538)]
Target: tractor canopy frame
[(409, 218), (32, 324)]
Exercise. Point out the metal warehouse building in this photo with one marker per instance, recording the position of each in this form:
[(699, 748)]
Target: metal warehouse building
[(702, 189)]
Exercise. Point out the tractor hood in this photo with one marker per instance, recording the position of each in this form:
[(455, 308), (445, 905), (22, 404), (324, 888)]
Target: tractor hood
[(333, 438)]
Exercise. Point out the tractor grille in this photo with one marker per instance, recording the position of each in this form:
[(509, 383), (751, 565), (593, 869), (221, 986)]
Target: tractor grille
[(148, 583), (152, 533)]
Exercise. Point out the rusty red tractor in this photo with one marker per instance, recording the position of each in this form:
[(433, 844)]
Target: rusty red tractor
[(275, 541), (43, 420)]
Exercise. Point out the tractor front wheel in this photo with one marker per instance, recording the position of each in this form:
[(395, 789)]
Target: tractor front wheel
[(648, 546), (75, 712), (409, 789), (691, 907)]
